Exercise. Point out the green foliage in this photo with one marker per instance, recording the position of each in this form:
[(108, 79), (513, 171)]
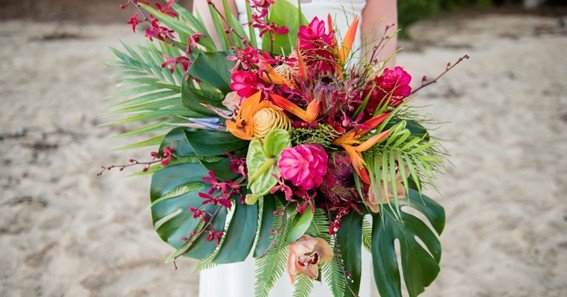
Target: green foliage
[(300, 225), (239, 237), (272, 265), (152, 94), (283, 13), (407, 153), (261, 162), (214, 69), (349, 241), (334, 276), (411, 11), (303, 286), (264, 240), (324, 135), (419, 263)]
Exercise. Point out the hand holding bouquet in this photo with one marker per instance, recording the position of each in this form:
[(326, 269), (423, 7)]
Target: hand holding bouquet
[(284, 147)]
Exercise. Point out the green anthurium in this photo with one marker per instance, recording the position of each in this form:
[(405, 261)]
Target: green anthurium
[(261, 161)]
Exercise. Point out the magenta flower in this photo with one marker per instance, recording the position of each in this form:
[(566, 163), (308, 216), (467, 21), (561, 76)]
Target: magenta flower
[(304, 165), (314, 35), (395, 80), (392, 85), (245, 83)]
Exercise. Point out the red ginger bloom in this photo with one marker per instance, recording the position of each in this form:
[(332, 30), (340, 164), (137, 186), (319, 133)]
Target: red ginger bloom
[(392, 86), (304, 165)]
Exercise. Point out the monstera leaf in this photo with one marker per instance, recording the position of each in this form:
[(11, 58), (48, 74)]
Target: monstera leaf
[(170, 211), (420, 263), (214, 69), (175, 188)]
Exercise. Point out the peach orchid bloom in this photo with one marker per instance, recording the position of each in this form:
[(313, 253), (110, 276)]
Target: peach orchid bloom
[(242, 126), (351, 138), (305, 255)]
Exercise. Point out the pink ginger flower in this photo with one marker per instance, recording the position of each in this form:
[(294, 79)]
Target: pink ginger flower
[(304, 165), (314, 35), (392, 85), (245, 83)]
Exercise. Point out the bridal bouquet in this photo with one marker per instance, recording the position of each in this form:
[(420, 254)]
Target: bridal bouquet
[(282, 147)]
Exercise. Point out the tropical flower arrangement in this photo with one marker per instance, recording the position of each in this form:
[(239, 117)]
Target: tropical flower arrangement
[(283, 147)]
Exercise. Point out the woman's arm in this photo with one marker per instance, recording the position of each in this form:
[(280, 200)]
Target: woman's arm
[(202, 8), (378, 14)]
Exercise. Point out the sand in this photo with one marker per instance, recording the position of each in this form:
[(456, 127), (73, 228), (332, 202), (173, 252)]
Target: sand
[(66, 232)]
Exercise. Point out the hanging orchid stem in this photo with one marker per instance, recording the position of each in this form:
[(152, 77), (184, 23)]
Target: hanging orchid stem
[(382, 39), (225, 21), (194, 238), (146, 17), (337, 257), (124, 166), (425, 83), (275, 231)]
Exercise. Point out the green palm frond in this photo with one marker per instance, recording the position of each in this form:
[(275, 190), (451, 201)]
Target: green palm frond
[(151, 95), (416, 157)]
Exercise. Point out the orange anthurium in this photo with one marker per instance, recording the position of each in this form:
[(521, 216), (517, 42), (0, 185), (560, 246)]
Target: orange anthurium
[(242, 125), (309, 115), (273, 77), (348, 40), (351, 138)]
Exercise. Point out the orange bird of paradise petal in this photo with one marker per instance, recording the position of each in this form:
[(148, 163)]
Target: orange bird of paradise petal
[(348, 40), (351, 138), (273, 77), (241, 126), (308, 115)]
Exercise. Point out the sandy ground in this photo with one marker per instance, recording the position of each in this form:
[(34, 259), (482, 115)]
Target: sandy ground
[(66, 232)]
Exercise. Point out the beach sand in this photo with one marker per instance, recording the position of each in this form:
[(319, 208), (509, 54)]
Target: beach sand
[(66, 232)]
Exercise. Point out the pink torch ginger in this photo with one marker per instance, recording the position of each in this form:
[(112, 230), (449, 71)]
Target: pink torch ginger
[(304, 165)]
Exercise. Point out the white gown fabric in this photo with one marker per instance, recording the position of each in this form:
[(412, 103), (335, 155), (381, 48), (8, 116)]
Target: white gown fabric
[(237, 279)]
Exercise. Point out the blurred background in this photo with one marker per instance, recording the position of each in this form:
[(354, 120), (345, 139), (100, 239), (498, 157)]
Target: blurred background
[(66, 232)]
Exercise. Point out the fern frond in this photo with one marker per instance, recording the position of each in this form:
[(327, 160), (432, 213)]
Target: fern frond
[(303, 286), (272, 266), (366, 233), (334, 276)]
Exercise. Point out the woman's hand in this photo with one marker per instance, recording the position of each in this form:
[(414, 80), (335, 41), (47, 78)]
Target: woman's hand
[(378, 14)]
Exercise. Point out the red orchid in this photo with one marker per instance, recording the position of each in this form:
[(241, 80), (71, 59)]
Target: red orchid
[(166, 9)]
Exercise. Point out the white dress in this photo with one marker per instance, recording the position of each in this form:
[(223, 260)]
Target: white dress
[(237, 279)]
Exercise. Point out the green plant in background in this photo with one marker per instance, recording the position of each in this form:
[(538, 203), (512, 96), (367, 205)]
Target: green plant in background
[(411, 11)]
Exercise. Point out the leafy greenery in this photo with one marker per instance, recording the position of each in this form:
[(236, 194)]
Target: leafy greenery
[(411, 11), (283, 13), (410, 154), (261, 162), (419, 263), (272, 265)]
